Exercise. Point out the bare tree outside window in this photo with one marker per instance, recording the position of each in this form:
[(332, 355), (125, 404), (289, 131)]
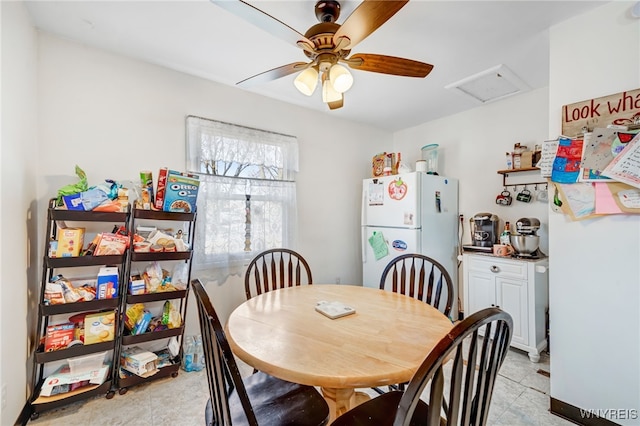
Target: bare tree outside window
[(247, 196)]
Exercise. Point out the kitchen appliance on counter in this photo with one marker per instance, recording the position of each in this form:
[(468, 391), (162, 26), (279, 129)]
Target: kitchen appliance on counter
[(526, 241), (405, 213), (484, 230)]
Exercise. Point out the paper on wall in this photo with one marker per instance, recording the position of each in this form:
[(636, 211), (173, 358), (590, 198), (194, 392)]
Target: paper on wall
[(548, 154), (625, 167), (566, 165), (578, 200)]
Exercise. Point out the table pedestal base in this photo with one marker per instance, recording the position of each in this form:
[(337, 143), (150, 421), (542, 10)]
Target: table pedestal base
[(342, 400)]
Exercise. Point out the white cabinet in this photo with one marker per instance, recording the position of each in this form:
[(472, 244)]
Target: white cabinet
[(519, 287)]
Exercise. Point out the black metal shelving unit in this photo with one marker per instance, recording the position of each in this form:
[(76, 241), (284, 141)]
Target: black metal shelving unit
[(138, 216), (46, 311)]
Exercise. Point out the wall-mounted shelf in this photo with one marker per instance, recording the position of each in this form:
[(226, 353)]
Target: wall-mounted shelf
[(505, 175)]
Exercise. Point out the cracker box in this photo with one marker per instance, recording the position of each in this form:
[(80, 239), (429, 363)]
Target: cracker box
[(99, 327), (107, 283), (58, 336), (181, 192), (70, 242), (138, 361)]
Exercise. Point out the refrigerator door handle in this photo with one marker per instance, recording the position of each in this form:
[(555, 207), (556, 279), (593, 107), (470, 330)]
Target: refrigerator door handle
[(364, 244), (363, 220), (363, 212)]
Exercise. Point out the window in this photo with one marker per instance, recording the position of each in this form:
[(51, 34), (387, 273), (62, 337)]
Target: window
[(247, 195)]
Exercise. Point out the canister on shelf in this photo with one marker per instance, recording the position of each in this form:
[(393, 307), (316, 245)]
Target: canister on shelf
[(146, 183), (156, 248), (509, 161)]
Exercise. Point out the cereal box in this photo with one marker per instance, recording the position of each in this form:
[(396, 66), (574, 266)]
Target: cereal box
[(181, 192), (99, 327), (70, 242)]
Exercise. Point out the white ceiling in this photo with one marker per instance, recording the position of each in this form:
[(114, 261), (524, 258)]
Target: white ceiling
[(460, 38)]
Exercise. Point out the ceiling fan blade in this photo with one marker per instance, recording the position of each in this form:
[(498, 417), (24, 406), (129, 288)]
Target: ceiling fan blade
[(274, 74), (388, 65), (337, 104), (364, 20), (265, 21)]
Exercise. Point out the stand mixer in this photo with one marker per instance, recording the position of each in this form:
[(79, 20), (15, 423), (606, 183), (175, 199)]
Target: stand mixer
[(526, 241)]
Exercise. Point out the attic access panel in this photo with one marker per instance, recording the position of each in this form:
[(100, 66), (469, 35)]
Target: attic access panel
[(490, 85)]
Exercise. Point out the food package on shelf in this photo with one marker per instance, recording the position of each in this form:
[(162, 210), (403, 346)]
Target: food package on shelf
[(107, 284), (139, 361), (158, 203), (71, 291), (53, 294), (99, 327), (137, 285), (157, 279), (111, 244), (70, 242), (133, 315), (59, 336), (74, 191), (85, 287), (180, 192), (180, 276), (175, 319), (63, 381), (146, 190), (167, 241), (142, 323)]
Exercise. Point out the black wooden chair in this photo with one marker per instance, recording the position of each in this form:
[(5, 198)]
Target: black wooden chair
[(274, 269), (421, 277), (259, 399), (460, 379)]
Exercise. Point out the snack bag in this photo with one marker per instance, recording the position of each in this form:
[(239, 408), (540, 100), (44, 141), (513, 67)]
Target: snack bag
[(73, 188)]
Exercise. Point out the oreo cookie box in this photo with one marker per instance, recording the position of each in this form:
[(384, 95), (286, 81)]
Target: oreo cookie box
[(180, 192)]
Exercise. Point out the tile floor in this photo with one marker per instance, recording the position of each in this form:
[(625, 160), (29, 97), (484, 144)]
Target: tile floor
[(520, 398)]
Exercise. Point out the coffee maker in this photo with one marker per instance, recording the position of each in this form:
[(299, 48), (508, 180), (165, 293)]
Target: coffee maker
[(484, 229)]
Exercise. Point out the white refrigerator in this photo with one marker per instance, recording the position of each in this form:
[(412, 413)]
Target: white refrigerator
[(410, 213)]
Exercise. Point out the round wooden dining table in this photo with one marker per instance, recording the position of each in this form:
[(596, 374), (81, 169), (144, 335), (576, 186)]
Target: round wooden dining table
[(382, 343)]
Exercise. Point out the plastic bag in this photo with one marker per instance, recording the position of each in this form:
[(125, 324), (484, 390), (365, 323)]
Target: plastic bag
[(180, 276), (75, 187)]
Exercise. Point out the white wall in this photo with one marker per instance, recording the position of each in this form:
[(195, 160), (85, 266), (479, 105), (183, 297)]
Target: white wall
[(114, 116), (595, 264), (472, 147), (17, 205)]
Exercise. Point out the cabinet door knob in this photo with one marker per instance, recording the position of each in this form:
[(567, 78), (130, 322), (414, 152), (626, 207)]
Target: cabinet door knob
[(494, 268)]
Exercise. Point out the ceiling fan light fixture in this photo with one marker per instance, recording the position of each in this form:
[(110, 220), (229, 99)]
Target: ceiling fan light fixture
[(340, 78), (307, 81), (329, 93)]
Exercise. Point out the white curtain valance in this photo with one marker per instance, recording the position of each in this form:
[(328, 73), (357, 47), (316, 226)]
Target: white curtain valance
[(223, 149)]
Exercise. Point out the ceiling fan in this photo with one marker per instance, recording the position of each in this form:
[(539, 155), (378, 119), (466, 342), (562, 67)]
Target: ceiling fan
[(328, 44)]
